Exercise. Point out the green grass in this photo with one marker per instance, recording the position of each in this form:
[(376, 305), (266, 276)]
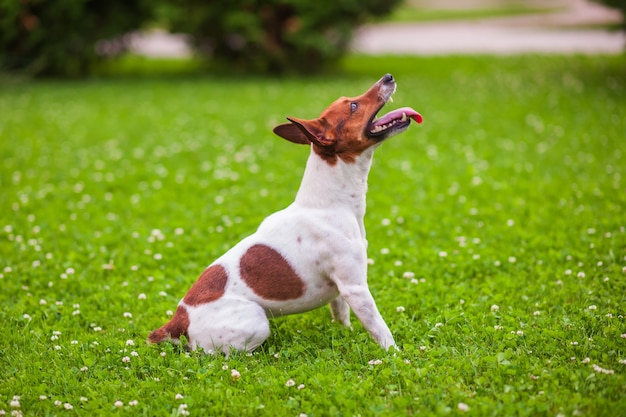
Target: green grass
[(117, 192), (408, 12)]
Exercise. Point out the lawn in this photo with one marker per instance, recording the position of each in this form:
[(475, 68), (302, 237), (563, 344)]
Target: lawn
[(496, 231), (408, 12)]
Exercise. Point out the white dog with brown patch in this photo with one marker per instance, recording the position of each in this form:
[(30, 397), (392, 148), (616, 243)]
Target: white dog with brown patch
[(309, 254)]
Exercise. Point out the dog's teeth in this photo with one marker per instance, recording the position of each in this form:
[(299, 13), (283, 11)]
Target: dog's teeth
[(390, 99), (403, 117)]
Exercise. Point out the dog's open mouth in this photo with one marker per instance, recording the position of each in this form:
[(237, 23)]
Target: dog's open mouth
[(393, 122)]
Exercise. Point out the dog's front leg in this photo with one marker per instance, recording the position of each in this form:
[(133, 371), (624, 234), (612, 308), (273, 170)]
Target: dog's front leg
[(360, 299), (340, 310)]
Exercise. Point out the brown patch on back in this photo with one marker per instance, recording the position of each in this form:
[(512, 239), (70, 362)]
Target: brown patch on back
[(174, 328), (209, 287), (269, 275)]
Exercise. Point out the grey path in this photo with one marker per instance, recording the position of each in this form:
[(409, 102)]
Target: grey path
[(567, 31), (559, 32)]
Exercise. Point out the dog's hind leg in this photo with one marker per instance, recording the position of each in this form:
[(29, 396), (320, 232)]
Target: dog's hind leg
[(228, 324)]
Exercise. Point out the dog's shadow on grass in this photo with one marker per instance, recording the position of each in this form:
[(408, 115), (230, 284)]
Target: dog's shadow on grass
[(315, 335)]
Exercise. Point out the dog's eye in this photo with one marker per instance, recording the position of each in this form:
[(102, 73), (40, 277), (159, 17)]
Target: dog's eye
[(354, 106)]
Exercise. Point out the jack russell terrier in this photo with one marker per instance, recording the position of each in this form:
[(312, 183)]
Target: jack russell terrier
[(311, 253)]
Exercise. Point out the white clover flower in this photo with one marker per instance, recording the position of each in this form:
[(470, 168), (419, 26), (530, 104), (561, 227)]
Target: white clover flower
[(375, 362), (130, 343), (126, 359), (142, 296), (601, 370), (235, 374), (290, 383), (118, 404), (178, 397), (463, 407), (400, 309), (133, 403), (68, 406), (495, 308)]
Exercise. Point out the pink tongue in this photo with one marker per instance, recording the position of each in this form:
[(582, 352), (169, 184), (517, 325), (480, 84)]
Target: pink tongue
[(397, 114)]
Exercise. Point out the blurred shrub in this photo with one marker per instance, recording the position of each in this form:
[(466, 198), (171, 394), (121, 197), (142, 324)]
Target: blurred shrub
[(67, 37), (58, 37), (273, 36)]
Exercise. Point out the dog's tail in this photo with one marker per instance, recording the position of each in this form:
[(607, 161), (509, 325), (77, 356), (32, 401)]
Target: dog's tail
[(173, 329)]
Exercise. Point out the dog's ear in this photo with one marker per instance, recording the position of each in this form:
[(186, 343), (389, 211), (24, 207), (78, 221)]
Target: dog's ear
[(292, 133), (314, 130)]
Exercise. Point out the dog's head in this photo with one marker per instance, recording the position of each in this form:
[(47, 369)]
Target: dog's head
[(349, 125)]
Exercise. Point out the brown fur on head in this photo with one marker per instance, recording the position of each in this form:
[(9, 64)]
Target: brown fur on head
[(347, 127)]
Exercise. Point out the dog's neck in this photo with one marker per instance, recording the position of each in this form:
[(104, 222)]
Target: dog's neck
[(341, 185)]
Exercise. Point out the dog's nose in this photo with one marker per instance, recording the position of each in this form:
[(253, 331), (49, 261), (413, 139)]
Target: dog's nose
[(388, 79)]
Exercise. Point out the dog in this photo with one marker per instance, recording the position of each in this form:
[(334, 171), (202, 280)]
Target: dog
[(313, 252)]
